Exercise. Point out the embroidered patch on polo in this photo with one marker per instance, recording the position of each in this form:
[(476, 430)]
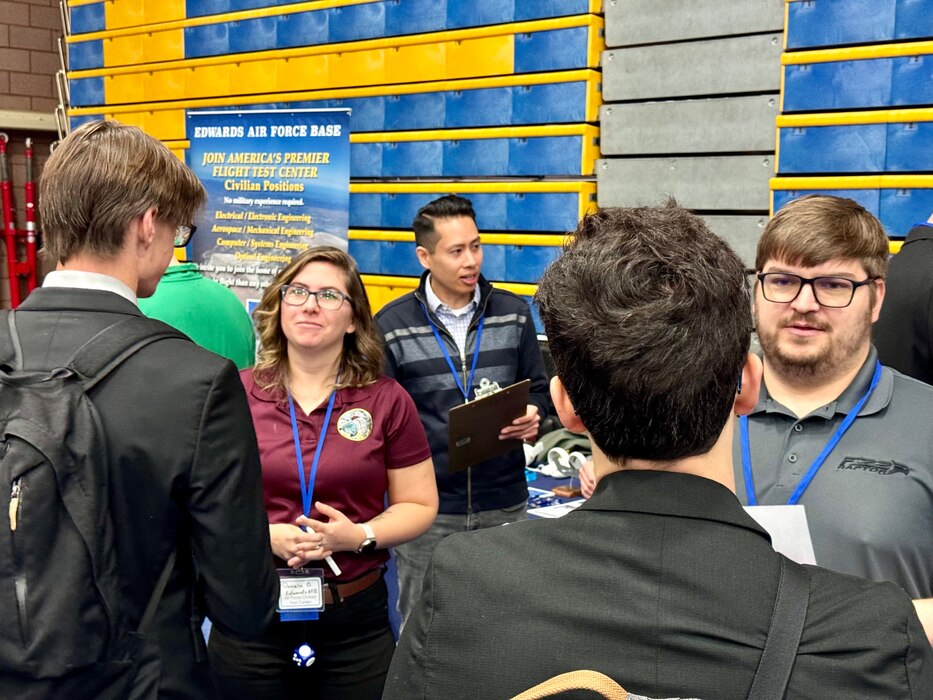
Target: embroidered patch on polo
[(355, 424), (874, 466)]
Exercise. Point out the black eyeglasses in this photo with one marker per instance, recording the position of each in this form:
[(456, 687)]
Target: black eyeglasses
[(183, 234), (329, 299), (831, 292)]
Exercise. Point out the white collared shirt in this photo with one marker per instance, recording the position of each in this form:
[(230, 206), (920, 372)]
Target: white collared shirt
[(78, 279), (457, 321)]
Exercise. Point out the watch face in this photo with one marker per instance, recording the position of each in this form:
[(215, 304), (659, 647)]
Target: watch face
[(368, 546)]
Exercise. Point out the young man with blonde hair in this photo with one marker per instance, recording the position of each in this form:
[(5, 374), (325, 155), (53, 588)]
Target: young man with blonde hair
[(183, 466)]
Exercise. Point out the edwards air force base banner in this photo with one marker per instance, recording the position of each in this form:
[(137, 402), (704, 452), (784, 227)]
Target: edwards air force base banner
[(277, 183)]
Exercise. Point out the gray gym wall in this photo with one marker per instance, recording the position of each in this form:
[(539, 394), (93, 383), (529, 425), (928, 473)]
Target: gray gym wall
[(690, 96)]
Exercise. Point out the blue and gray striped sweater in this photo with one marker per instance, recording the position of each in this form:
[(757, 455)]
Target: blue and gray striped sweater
[(509, 353)]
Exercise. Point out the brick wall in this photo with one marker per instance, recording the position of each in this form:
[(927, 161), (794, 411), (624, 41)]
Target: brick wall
[(29, 32)]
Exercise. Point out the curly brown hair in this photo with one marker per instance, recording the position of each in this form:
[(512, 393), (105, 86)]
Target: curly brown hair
[(363, 354), (648, 319)]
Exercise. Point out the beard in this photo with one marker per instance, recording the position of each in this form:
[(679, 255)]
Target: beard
[(803, 361)]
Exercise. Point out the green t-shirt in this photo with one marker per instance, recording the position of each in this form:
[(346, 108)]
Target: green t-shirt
[(206, 311)]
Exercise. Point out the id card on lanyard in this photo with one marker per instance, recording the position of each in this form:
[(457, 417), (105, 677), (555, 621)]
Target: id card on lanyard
[(301, 591), (301, 594), (818, 462), (465, 390)]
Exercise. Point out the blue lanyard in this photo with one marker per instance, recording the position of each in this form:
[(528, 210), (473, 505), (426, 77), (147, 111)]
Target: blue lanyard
[(307, 493), (818, 462), (450, 362)]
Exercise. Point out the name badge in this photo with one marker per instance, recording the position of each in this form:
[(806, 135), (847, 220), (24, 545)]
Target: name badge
[(301, 594)]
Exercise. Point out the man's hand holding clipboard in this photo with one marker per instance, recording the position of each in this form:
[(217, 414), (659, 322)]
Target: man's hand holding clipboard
[(475, 427), (524, 428)]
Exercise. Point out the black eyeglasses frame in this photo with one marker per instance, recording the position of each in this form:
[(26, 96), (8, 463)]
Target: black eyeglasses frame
[(762, 278)]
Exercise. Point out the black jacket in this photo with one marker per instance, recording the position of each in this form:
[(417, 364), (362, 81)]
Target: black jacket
[(509, 352), (662, 582), (904, 331), (184, 475)]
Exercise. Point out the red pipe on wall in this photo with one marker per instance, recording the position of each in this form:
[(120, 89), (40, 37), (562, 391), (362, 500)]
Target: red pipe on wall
[(32, 271), (9, 222)]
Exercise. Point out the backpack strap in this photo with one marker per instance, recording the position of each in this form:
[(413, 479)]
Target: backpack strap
[(95, 360), (790, 611), (113, 345), (157, 592), (100, 355)]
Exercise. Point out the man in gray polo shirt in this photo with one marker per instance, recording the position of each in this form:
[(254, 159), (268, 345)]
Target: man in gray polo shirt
[(849, 439)]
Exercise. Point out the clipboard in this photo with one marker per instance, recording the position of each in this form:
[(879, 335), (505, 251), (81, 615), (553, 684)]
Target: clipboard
[(473, 433)]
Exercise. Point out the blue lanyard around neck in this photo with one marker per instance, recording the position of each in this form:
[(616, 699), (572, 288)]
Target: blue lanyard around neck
[(821, 457), (306, 493), (450, 363)]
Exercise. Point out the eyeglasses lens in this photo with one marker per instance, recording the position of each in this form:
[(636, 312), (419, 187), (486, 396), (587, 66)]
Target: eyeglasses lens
[(833, 292)]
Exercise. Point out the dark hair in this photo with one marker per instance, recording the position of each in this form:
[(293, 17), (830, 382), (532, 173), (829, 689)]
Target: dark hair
[(450, 206), (363, 354), (102, 176), (815, 229), (648, 319)]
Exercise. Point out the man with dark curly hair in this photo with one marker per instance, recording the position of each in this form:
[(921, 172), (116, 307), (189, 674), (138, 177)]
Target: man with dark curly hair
[(660, 580)]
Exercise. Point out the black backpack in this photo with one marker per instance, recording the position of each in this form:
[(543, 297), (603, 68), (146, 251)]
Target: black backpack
[(63, 633)]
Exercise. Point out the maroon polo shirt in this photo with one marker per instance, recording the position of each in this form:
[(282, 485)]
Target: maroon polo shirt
[(372, 429)]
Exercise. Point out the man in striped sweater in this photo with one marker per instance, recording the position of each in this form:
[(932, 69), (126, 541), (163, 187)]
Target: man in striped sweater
[(442, 339)]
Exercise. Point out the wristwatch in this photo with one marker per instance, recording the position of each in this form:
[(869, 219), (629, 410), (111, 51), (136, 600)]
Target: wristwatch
[(368, 545)]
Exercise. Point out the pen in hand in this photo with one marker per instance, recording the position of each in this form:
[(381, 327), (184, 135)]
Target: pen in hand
[(329, 559)]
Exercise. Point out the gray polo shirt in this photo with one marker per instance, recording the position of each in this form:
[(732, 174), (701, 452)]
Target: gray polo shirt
[(870, 506)]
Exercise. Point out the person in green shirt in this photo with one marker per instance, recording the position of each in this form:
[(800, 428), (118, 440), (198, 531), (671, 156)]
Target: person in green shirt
[(206, 311)]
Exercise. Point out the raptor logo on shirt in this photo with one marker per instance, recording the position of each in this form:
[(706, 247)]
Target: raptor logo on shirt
[(874, 466), (356, 424)]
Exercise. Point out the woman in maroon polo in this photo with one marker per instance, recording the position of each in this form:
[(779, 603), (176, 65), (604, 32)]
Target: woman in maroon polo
[(337, 441)]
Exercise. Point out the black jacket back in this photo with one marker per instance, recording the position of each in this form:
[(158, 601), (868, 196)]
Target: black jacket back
[(184, 475)]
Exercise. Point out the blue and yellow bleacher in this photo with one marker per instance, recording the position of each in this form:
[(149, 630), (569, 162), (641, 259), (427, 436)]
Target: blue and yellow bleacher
[(99, 15), (899, 201), (151, 63), (532, 151), (820, 23), (296, 25), (495, 100), (856, 118), (562, 97), (547, 206), (890, 141)]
